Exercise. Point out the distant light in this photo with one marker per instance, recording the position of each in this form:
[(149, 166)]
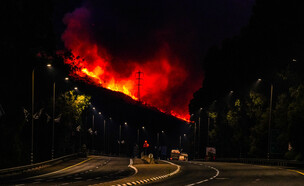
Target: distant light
[(110, 118), (294, 60), (66, 78), (99, 113), (185, 135), (259, 79), (75, 88), (93, 108), (143, 127), (231, 91), (49, 65), (126, 123), (201, 108), (163, 131)]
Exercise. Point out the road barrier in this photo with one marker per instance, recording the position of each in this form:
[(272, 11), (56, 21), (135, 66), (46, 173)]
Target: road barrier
[(26, 168), (271, 162)]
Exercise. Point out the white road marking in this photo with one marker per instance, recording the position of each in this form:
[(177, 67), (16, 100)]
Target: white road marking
[(131, 166), (205, 180)]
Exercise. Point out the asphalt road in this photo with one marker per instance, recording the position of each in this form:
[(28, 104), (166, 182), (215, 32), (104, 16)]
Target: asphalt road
[(101, 169), (219, 173), (95, 169)]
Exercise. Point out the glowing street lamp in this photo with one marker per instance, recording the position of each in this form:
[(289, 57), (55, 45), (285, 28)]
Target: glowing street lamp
[(66, 78)]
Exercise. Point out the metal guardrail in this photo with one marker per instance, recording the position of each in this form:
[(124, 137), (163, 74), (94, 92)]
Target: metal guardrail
[(34, 166), (271, 162)]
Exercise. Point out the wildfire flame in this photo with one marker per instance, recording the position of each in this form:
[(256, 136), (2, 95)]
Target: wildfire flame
[(163, 76)]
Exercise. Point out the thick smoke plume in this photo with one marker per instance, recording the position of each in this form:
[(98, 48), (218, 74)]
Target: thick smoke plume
[(167, 79)]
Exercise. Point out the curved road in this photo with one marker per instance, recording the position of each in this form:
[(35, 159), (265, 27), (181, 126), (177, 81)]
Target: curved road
[(219, 173), (101, 169)]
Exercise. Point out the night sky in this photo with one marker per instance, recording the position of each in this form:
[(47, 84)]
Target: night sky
[(136, 29)]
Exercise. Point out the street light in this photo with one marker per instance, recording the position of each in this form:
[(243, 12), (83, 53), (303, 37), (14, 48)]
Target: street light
[(120, 138), (269, 121), (93, 131), (75, 88), (199, 129), (66, 78), (53, 120), (269, 124), (33, 100), (53, 132)]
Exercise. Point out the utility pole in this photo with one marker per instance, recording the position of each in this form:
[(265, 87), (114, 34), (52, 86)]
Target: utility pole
[(138, 84)]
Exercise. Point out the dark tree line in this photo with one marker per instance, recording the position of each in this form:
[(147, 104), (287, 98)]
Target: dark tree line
[(270, 47)]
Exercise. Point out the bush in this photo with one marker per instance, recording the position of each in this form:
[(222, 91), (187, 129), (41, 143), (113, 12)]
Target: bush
[(299, 157), (290, 155)]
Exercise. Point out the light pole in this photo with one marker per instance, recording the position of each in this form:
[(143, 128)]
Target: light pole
[(53, 134), (194, 139), (104, 135), (208, 131), (269, 121), (157, 139), (199, 129), (138, 136), (180, 143), (93, 130), (119, 140), (269, 124), (33, 101), (109, 135)]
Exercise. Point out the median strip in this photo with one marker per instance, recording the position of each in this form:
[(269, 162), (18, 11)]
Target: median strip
[(50, 173)]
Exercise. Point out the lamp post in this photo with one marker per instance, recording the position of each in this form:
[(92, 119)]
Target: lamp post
[(119, 140), (199, 129), (194, 139), (269, 121), (53, 134), (208, 131), (33, 101), (138, 136), (93, 130), (269, 124), (104, 135), (180, 143)]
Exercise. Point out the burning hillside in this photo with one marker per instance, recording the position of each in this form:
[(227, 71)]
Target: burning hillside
[(161, 80)]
